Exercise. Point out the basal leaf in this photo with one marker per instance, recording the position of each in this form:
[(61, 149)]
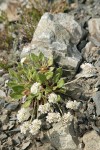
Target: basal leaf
[(15, 96), (41, 57), (18, 89), (27, 103), (50, 61), (56, 77), (49, 75), (34, 57), (60, 83), (42, 78)]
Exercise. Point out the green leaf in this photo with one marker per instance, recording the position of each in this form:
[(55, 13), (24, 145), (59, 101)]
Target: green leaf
[(63, 91), (12, 73), (48, 90), (18, 89), (51, 68), (41, 57), (56, 77), (54, 88), (59, 70), (49, 75), (27, 103), (42, 78), (58, 98), (15, 96), (11, 84), (50, 61), (60, 83), (39, 96), (34, 57)]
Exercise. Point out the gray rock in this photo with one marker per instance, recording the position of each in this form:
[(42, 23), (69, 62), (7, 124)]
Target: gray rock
[(90, 52), (91, 108), (3, 136), (5, 127), (91, 141), (94, 30), (2, 94), (97, 63), (25, 145), (1, 72), (57, 36), (12, 106), (1, 81), (11, 124), (97, 83), (63, 137), (9, 141), (4, 119), (2, 102), (96, 99), (6, 76), (13, 131), (16, 140)]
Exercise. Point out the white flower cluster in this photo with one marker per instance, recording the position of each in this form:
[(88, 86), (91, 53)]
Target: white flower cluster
[(23, 114), (32, 127), (35, 88), (25, 127), (66, 118), (35, 126), (53, 117), (53, 98), (44, 108), (73, 105)]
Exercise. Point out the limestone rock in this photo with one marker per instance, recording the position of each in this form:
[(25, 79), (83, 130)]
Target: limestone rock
[(88, 70), (90, 52), (94, 30), (62, 137), (2, 94), (57, 36), (96, 99), (12, 106), (91, 141), (25, 145)]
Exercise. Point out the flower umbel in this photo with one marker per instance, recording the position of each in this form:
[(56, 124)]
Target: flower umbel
[(73, 105), (35, 88), (23, 114), (44, 108), (53, 117), (25, 127), (67, 118), (52, 98), (35, 126)]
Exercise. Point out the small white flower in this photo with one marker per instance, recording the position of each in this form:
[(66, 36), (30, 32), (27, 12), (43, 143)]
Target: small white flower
[(35, 126), (66, 118), (53, 117), (23, 60), (24, 127), (44, 108), (73, 105), (52, 98), (35, 88), (23, 114)]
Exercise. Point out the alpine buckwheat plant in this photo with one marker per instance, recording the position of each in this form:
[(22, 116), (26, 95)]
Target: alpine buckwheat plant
[(40, 88)]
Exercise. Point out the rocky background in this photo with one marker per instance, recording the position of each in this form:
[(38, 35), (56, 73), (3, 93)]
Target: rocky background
[(70, 32)]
